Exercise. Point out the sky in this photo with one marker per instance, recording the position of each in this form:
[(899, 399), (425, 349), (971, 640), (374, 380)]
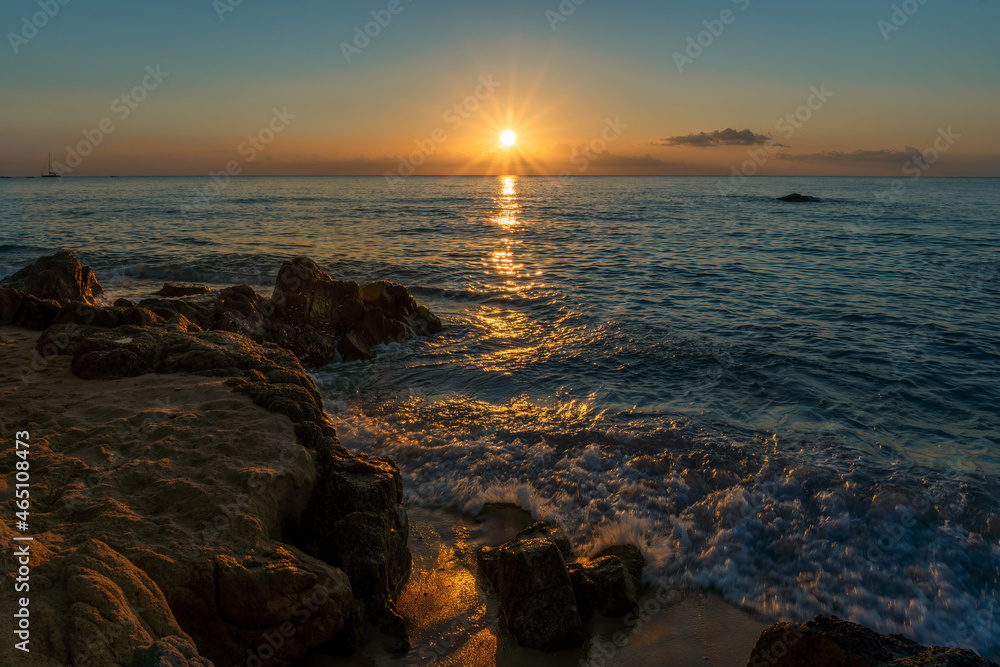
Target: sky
[(400, 87)]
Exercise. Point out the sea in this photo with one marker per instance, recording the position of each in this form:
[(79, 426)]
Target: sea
[(794, 406)]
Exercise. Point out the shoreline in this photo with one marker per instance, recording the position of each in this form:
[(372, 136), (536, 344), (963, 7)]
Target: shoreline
[(456, 621), (453, 619), (193, 499)]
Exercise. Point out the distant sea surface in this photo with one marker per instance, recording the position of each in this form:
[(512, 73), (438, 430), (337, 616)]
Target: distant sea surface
[(796, 406)]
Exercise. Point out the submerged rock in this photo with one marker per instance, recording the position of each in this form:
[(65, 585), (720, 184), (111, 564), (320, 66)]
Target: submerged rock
[(828, 641), (796, 197), (59, 277)]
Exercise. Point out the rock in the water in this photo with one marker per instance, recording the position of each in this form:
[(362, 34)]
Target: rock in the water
[(535, 591), (59, 277), (608, 584), (319, 319), (796, 197), (354, 316), (542, 529), (182, 289), (828, 641)]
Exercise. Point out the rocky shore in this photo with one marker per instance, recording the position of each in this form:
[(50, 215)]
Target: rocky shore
[(192, 505)]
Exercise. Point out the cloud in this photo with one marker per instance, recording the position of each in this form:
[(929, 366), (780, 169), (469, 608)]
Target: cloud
[(726, 137), (837, 157)]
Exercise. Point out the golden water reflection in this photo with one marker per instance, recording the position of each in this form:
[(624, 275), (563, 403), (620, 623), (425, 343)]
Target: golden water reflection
[(506, 203), (501, 261)]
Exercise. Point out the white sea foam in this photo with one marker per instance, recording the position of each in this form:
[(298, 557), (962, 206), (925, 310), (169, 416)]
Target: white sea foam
[(786, 534)]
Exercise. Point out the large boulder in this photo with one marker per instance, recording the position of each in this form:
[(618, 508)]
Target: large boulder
[(304, 294), (59, 277), (354, 519), (161, 517), (535, 591), (353, 316), (546, 601), (828, 641)]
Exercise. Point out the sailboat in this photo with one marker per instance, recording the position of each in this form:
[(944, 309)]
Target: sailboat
[(49, 173)]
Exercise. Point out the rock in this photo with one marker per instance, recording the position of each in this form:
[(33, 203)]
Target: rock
[(188, 501), (112, 605), (608, 584), (59, 277), (355, 520), (182, 289), (542, 529), (199, 311), (10, 303), (237, 310), (828, 641), (304, 294), (123, 303), (320, 319), (270, 376), (340, 320), (35, 313), (796, 197), (535, 591)]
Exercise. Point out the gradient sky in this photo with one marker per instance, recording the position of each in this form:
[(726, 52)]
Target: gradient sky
[(599, 94)]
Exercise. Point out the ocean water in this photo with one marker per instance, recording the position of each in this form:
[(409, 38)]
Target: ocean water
[(792, 405)]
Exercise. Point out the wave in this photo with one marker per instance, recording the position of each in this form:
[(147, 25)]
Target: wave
[(783, 530)]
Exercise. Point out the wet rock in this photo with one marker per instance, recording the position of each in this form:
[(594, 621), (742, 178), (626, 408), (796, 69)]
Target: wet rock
[(237, 310), (796, 197), (59, 277), (199, 311), (531, 579), (828, 641), (182, 289), (10, 303), (542, 529), (608, 584), (124, 303), (340, 320), (304, 294), (355, 521), (35, 313)]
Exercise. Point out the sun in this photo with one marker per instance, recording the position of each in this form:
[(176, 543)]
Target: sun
[(508, 139)]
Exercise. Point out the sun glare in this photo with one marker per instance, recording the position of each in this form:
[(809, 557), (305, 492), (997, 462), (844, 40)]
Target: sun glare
[(508, 139)]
